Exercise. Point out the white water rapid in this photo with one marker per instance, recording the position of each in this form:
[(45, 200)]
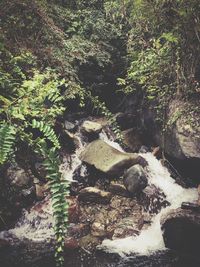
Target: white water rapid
[(36, 224), (151, 240)]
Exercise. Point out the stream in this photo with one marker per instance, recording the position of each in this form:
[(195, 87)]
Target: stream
[(145, 250)]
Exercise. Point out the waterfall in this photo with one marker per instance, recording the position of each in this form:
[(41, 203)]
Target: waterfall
[(36, 224), (150, 239)]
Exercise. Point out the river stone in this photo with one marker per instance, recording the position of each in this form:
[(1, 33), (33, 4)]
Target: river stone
[(33, 236), (128, 226), (182, 139), (107, 158), (18, 177), (89, 242), (152, 199), (181, 230), (94, 195), (135, 179), (118, 189), (144, 149), (91, 127), (41, 190), (78, 230), (98, 229), (69, 126)]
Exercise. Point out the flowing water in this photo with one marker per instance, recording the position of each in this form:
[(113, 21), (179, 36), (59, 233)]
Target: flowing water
[(145, 250), (150, 240)]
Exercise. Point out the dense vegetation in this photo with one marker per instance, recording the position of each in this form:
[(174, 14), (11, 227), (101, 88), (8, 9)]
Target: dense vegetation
[(55, 54)]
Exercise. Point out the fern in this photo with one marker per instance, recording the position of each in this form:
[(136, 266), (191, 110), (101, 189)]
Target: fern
[(47, 131), (59, 187), (7, 138)]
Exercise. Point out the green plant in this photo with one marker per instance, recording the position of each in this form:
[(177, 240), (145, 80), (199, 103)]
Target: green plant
[(35, 104), (7, 138), (59, 187)]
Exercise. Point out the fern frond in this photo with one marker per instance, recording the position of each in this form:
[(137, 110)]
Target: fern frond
[(47, 131), (7, 138), (59, 189)]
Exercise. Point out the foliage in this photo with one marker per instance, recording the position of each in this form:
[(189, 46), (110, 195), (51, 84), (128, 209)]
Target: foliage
[(45, 47), (7, 138), (36, 96), (58, 185), (163, 62), (55, 51)]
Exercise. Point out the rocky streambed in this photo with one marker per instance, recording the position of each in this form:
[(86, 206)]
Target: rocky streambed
[(116, 205)]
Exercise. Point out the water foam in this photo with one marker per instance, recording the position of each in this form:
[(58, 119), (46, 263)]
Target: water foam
[(151, 240), (37, 224)]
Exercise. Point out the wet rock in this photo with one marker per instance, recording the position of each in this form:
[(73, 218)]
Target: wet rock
[(128, 226), (91, 127), (135, 179), (152, 199), (41, 190), (40, 170), (132, 139), (71, 243), (118, 189), (98, 229), (69, 126), (144, 149), (93, 212), (78, 230), (94, 195), (17, 192), (181, 230), (126, 120), (70, 135), (72, 139), (182, 141), (33, 236), (3, 243), (124, 218), (106, 217), (89, 242), (157, 152), (108, 159), (190, 206), (18, 177), (74, 210)]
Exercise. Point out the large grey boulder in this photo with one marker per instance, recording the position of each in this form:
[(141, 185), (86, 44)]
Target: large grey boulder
[(181, 230), (182, 137), (135, 179), (107, 158), (181, 141)]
